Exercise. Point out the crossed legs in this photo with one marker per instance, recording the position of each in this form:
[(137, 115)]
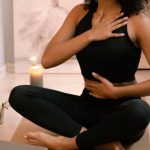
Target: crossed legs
[(66, 114)]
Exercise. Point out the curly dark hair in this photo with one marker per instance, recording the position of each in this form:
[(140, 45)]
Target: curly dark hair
[(129, 7)]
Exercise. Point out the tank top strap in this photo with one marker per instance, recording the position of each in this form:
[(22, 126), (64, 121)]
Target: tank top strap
[(88, 16)]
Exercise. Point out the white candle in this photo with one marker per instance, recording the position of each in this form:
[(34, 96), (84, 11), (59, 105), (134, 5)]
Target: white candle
[(36, 75)]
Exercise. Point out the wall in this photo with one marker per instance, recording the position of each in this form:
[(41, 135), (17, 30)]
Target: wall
[(7, 38), (34, 25), (8, 33), (2, 59)]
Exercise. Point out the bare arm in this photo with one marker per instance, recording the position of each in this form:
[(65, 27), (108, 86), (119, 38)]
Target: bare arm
[(104, 88), (142, 34), (64, 45)]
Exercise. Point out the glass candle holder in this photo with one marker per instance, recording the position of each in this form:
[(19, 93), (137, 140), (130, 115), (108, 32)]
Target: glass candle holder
[(36, 75)]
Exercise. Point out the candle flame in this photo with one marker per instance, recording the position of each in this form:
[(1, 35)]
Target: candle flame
[(33, 60)]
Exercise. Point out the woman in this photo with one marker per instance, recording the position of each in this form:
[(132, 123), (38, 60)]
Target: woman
[(110, 113)]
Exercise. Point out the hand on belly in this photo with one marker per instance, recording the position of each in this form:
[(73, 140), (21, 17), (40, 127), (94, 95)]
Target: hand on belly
[(103, 88)]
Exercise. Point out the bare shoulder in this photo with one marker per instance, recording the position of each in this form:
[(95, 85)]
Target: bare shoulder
[(140, 24), (78, 8), (77, 12), (140, 18), (80, 11)]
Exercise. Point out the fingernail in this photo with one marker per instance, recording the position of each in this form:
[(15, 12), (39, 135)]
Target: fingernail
[(93, 73)]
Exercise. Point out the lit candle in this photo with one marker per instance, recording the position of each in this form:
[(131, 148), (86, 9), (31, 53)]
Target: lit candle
[(36, 73)]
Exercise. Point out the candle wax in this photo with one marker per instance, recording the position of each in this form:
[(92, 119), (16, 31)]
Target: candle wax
[(36, 75)]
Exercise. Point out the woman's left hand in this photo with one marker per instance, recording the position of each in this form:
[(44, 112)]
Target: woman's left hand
[(103, 89)]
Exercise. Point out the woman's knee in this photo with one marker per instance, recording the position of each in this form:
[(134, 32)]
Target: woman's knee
[(138, 112), (17, 95)]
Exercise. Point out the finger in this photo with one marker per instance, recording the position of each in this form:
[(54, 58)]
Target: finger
[(97, 76), (101, 15), (102, 79), (91, 82), (94, 92), (94, 95), (117, 35), (90, 88), (92, 85), (114, 18), (119, 25), (98, 17), (122, 20)]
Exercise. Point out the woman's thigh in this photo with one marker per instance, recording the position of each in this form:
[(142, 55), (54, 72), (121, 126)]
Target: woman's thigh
[(136, 114), (125, 122), (136, 111), (73, 105)]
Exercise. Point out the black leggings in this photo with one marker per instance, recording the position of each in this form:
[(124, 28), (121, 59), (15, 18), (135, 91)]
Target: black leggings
[(107, 120)]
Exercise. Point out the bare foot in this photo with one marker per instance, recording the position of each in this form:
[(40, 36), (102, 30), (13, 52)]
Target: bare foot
[(111, 146), (51, 142)]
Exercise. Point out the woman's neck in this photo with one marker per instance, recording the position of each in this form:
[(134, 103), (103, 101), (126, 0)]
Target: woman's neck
[(108, 6)]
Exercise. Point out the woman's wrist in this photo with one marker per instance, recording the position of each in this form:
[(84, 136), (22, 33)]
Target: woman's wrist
[(117, 93), (89, 35), (124, 91)]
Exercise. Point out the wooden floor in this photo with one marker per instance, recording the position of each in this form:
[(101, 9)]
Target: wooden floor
[(71, 83)]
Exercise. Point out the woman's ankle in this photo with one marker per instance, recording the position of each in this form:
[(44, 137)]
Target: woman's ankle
[(70, 143)]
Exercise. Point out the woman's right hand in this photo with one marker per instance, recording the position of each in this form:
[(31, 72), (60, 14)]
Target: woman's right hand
[(102, 30)]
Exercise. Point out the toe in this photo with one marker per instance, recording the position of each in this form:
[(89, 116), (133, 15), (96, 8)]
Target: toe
[(31, 135)]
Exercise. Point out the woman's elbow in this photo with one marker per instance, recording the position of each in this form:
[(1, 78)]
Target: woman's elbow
[(47, 64), (44, 64)]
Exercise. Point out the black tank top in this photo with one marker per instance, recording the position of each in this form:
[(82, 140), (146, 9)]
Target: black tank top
[(116, 59)]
